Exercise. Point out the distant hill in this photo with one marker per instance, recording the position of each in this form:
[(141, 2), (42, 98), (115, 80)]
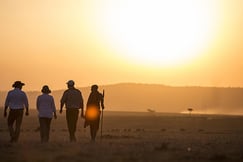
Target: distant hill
[(161, 98)]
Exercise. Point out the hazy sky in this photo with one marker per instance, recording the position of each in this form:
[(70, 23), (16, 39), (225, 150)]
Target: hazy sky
[(177, 42)]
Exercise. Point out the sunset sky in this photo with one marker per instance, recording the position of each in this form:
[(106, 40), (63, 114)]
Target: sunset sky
[(176, 42)]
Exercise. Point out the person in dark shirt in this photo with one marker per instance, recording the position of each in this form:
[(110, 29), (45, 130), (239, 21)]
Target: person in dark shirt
[(73, 101), (92, 114)]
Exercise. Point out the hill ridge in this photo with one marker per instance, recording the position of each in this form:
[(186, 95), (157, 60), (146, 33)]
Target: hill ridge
[(159, 97)]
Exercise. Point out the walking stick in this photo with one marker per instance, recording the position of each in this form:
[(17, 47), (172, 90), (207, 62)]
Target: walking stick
[(101, 126)]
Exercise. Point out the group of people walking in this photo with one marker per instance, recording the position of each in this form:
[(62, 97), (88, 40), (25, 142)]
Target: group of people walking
[(72, 100)]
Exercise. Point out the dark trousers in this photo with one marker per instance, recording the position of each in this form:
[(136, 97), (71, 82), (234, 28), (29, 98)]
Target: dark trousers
[(72, 118), (15, 116), (93, 131), (45, 124), (94, 127)]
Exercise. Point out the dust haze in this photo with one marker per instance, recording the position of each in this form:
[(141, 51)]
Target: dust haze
[(161, 98)]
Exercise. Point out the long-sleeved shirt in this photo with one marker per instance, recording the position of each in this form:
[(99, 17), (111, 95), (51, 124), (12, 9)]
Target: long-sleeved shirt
[(72, 98), (16, 99), (45, 105)]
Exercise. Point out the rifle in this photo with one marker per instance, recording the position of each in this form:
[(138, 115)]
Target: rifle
[(101, 126)]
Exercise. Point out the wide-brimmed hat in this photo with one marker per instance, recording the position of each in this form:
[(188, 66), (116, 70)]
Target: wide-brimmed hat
[(18, 84), (70, 83), (45, 89)]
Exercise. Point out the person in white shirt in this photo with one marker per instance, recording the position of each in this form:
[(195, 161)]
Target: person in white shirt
[(46, 108), (16, 100)]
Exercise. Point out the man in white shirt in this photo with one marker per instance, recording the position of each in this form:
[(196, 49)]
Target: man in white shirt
[(16, 100)]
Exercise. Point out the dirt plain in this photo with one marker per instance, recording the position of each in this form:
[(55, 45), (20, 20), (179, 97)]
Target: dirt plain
[(130, 137)]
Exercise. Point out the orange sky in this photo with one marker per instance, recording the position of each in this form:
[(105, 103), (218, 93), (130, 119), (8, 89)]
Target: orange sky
[(50, 42)]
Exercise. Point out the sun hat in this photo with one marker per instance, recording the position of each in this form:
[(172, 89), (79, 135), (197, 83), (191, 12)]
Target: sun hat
[(18, 84)]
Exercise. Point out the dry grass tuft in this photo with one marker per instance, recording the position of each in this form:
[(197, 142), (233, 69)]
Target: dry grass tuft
[(162, 147), (218, 157)]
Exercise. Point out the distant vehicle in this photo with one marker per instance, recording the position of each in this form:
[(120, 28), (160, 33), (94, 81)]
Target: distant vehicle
[(190, 110), (151, 110)]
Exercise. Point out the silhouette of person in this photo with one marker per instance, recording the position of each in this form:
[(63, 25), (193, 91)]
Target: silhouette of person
[(46, 108), (73, 101), (16, 100), (92, 114)]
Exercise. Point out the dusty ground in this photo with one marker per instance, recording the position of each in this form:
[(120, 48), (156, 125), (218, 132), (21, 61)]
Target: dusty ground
[(131, 137)]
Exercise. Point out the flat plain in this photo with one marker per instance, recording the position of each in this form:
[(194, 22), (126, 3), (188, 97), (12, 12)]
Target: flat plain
[(130, 137)]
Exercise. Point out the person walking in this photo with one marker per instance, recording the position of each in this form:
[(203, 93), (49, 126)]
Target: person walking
[(46, 108), (73, 100), (16, 101), (92, 114)]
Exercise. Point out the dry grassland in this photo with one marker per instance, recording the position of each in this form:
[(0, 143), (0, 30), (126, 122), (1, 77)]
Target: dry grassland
[(131, 137)]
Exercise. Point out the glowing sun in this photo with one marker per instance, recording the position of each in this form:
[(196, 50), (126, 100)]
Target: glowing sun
[(158, 32)]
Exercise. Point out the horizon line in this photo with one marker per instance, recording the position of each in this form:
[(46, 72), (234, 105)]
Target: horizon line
[(148, 84)]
